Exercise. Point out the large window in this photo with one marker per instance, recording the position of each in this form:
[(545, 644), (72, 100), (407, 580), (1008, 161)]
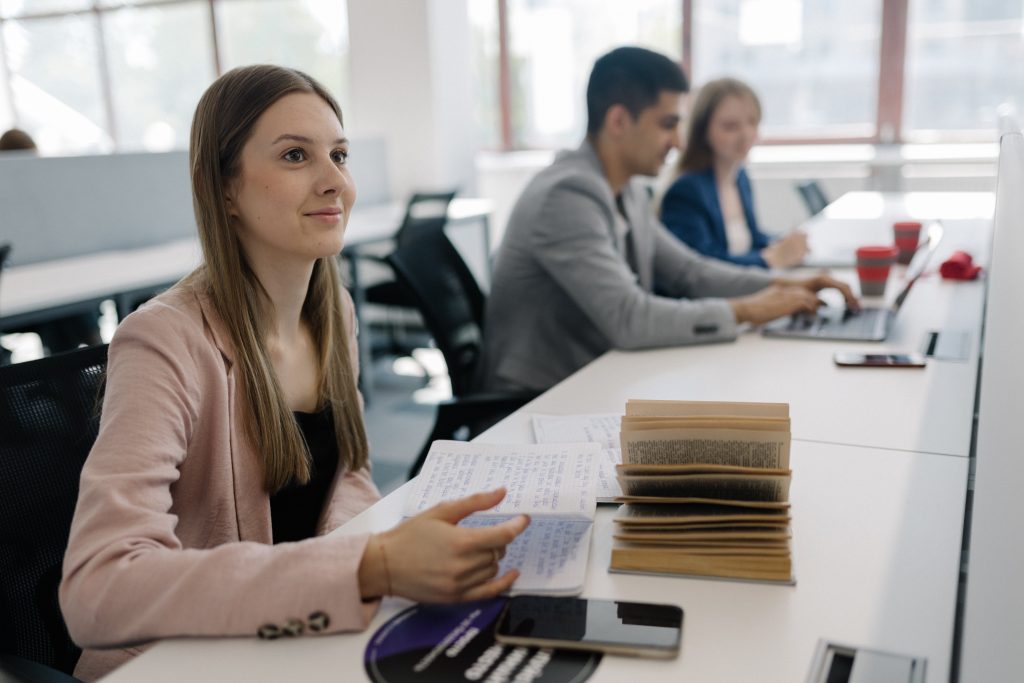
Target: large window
[(826, 70), (965, 58), (96, 75), (550, 46), (814, 79)]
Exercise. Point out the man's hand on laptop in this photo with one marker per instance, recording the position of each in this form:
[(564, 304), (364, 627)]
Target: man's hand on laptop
[(787, 296), (774, 301), (816, 283)]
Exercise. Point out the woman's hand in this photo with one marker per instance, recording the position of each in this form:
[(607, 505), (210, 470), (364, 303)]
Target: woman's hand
[(787, 251), (430, 559)]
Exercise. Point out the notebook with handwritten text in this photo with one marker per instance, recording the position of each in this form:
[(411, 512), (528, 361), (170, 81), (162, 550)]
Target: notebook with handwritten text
[(552, 483)]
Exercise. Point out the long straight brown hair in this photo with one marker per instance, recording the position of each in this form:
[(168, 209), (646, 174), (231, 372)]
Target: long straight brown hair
[(223, 122), (697, 155)]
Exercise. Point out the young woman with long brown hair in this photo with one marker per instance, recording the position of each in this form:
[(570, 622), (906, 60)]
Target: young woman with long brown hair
[(231, 440), (710, 205)]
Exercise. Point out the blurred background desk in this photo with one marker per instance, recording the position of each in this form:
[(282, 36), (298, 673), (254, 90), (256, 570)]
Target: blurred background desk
[(860, 218), (45, 290)]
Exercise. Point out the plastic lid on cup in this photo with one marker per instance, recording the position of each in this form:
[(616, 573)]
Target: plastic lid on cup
[(878, 253)]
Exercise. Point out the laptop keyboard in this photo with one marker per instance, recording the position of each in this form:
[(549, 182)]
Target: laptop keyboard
[(853, 323)]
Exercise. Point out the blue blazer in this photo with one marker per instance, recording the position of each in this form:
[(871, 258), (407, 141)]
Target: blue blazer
[(691, 211)]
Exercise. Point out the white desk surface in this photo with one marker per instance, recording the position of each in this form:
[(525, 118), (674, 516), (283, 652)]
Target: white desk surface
[(880, 476), (927, 409), (50, 284), (876, 542), (861, 218)]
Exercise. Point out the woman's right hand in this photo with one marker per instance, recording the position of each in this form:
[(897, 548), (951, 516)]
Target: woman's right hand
[(787, 251), (429, 558)]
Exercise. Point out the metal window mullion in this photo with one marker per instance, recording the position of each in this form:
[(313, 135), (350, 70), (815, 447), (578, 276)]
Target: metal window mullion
[(504, 77), (105, 81), (218, 69), (687, 38), (892, 50)]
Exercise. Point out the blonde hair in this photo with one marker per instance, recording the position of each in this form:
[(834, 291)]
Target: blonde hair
[(223, 122), (698, 155)]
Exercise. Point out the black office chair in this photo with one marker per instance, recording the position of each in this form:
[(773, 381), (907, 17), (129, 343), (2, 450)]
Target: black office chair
[(813, 196), (447, 295), (49, 416), (425, 212), (5, 252)]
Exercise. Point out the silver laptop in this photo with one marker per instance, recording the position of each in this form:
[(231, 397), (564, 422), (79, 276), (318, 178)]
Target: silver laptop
[(867, 324)]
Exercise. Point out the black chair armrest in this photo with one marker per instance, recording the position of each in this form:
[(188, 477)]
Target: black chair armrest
[(14, 668)]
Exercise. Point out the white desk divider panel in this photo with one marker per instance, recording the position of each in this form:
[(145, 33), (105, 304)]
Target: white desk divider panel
[(994, 604), (59, 207)]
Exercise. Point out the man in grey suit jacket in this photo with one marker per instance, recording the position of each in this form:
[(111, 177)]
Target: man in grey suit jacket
[(583, 250)]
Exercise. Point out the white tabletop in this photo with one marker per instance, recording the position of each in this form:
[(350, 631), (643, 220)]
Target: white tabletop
[(876, 544), (927, 409), (50, 284), (861, 218), (879, 488)]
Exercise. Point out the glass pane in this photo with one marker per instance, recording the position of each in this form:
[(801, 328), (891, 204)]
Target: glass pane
[(6, 106), (965, 58), (814, 63), (122, 3), (21, 8), (156, 84), (310, 35), (56, 83), (483, 19), (553, 45)]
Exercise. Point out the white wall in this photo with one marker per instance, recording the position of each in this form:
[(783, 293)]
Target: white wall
[(411, 83)]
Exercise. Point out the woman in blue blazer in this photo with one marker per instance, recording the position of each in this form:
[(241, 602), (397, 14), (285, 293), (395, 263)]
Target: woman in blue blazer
[(710, 206)]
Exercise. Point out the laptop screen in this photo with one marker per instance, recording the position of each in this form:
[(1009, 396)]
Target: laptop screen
[(920, 261)]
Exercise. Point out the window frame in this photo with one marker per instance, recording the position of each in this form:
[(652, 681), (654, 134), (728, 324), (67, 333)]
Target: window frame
[(890, 84), (97, 9)]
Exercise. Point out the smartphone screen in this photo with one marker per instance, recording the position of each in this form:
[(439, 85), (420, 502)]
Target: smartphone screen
[(604, 625), (894, 360)]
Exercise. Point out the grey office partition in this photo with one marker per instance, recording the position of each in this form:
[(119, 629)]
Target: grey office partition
[(57, 207)]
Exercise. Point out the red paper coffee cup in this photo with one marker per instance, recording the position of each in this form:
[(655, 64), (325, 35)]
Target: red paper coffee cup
[(907, 234), (873, 265)]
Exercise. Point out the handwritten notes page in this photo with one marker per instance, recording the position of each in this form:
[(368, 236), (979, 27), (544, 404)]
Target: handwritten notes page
[(602, 429), (542, 479), (551, 555), (553, 483)]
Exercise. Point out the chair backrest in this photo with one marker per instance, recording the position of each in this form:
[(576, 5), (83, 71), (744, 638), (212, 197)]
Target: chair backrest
[(49, 416), (813, 196), (426, 211), (449, 299), (5, 252)]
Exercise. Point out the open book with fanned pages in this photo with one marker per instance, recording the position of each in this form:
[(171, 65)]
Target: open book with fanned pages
[(705, 490)]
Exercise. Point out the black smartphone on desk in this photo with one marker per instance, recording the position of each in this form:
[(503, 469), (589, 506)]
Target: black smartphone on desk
[(879, 360), (623, 628)]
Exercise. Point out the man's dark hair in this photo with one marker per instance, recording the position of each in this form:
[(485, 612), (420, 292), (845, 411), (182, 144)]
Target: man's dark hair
[(633, 77)]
